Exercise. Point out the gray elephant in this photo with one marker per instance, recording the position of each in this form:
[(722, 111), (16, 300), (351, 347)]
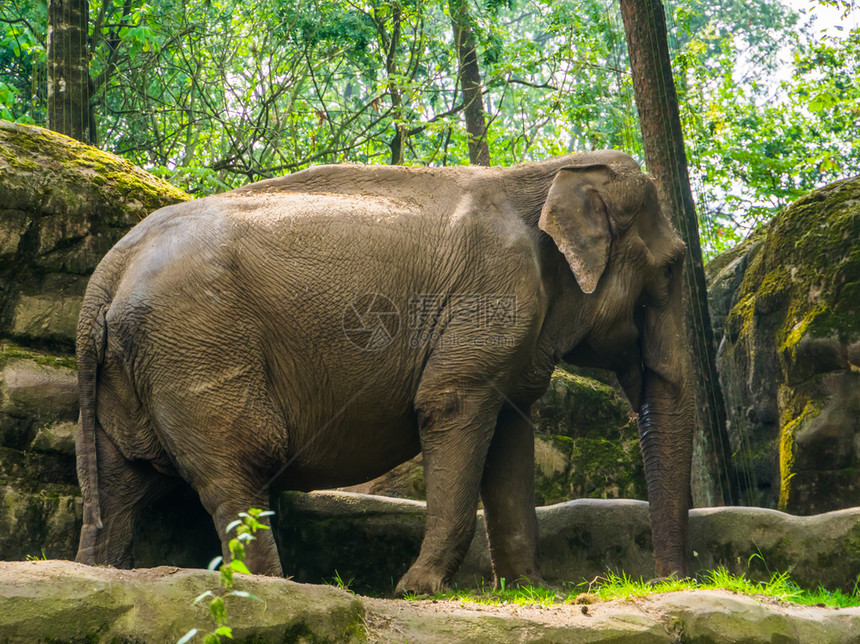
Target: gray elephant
[(316, 330)]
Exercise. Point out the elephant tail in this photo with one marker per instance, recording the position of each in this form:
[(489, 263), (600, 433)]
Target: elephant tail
[(91, 341)]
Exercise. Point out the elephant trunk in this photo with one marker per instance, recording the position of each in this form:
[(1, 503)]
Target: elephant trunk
[(665, 435), (666, 424)]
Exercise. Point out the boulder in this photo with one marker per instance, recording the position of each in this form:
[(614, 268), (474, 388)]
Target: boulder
[(65, 204), (586, 440), (789, 357), (686, 616), (58, 601), (374, 540), (53, 601)]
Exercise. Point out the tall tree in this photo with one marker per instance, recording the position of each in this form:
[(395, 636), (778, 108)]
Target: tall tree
[(666, 160), (390, 42), (68, 70), (470, 83)]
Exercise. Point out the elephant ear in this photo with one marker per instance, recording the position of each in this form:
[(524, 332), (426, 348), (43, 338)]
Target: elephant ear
[(577, 216)]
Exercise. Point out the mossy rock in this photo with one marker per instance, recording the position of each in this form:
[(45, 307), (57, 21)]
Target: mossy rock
[(39, 521), (38, 396), (63, 177), (587, 443), (790, 360), (65, 204), (53, 601)]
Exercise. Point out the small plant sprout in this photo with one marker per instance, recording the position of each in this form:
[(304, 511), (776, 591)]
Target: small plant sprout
[(338, 581), (245, 526)]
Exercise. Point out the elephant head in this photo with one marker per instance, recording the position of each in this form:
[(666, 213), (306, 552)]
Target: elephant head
[(627, 261)]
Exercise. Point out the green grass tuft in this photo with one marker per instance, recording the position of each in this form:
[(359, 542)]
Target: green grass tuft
[(614, 586)]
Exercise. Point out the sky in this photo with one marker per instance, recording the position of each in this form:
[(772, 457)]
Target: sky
[(828, 17)]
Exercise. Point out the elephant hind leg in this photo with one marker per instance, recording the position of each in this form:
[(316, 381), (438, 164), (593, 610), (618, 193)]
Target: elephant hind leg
[(224, 500), (227, 447), (507, 490), (126, 487)]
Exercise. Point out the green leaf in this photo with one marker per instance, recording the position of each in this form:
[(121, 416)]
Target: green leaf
[(215, 563), (242, 593), (218, 611), (226, 576), (236, 548), (239, 566), (226, 631)]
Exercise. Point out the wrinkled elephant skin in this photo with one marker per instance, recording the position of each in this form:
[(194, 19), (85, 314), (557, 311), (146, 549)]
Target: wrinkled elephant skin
[(318, 329)]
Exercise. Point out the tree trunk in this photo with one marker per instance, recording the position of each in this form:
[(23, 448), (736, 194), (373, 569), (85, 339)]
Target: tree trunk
[(68, 69), (470, 83), (665, 159), (398, 142)]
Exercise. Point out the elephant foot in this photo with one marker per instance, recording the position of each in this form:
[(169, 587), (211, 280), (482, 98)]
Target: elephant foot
[(420, 582)]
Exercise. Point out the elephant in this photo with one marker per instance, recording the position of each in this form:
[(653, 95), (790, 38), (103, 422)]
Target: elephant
[(315, 330)]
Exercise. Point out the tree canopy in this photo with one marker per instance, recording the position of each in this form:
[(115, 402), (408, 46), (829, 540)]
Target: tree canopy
[(212, 94)]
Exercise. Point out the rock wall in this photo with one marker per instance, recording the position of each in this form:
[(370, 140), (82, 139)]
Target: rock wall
[(62, 206), (789, 356)]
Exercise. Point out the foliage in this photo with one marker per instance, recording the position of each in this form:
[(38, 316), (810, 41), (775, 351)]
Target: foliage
[(210, 95), (756, 145), (615, 586), (246, 525)]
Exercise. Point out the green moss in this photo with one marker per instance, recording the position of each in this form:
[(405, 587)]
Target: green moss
[(809, 258), (120, 177), (9, 350), (739, 319), (84, 174), (601, 468), (788, 449), (852, 542)]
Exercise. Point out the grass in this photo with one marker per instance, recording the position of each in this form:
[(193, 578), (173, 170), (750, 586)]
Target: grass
[(612, 586), (339, 582)]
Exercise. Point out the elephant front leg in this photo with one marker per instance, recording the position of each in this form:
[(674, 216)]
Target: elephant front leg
[(455, 428), (507, 490)]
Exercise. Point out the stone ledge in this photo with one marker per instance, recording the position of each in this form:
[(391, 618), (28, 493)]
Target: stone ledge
[(64, 602), (375, 539), (60, 601)]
